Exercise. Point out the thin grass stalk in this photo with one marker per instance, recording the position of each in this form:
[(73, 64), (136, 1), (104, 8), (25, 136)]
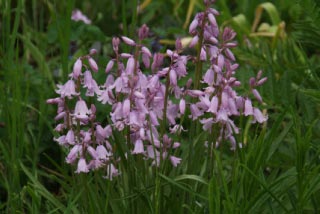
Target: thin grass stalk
[(12, 107)]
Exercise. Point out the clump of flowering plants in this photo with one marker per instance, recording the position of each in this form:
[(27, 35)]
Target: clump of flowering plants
[(147, 102)]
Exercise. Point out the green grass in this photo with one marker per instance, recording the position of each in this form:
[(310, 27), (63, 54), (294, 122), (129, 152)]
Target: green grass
[(277, 171)]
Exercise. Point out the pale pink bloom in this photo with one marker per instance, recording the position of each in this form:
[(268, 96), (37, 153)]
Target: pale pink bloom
[(213, 40), (82, 166), (172, 113), (203, 54), (95, 164), (143, 32), (232, 106), (220, 61), (90, 84), (175, 161), (77, 69), (252, 81), (130, 66), (231, 44), (229, 54), (116, 114), (74, 153), (228, 34), (153, 118), (173, 77), (214, 105), (109, 66), (194, 41), (193, 26), (146, 51), (102, 152), (222, 115), (81, 110), (213, 11), (182, 106), (60, 116), (153, 82), (152, 152), (256, 94), (157, 61), (212, 19), (209, 77), (92, 51), (207, 123), (194, 93), (93, 64), (142, 133), (106, 96), (204, 103), (180, 67), (139, 95), (125, 55), (258, 116), (115, 44), (70, 137), (92, 152), (119, 125), (59, 127), (77, 15), (263, 80), (86, 135), (57, 100), (248, 109), (103, 133), (146, 60), (61, 140), (138, 147), (128, 41), (195, 112), (126, 107), (67, 90), (213, 52)]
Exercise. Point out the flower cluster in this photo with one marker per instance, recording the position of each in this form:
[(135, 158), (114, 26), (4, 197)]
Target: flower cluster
[(146, 99), (219, 103)]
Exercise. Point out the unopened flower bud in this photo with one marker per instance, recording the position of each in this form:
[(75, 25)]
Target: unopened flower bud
[(93, 64), (143, 32), (256, 94), (109, 66), (194, 41), (212, 19), (182, 106), (77, 68), (115, 43), (93, 51), (128, 41), (193, 26), (263, 80)]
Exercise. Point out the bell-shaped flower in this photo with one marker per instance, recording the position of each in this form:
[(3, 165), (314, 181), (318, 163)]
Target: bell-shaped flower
[(67, 90), (138, 147), (82, 166), (81, 110), (77, 69), (175, 161), (74, 153)]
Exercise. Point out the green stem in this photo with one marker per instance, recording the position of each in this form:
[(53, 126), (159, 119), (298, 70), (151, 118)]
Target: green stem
[(134, 18), (124, 17)]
